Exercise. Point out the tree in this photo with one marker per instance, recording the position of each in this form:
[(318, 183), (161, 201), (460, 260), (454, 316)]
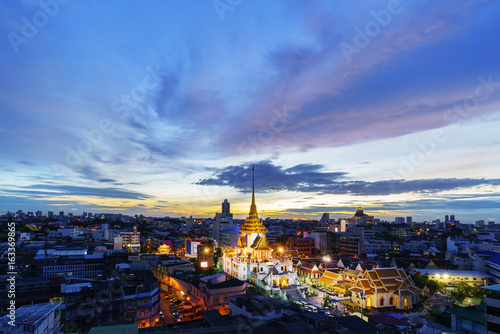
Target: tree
[(316, 252), (438, 316), (423, 280), (462, 291), (217, 254), (326, 301)]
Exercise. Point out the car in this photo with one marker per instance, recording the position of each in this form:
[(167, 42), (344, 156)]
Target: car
[(161, 314), (177, 301), (175, 313), (172, 306)]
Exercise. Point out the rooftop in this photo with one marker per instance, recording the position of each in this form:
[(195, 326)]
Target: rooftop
[(474, 313), (468, 273), (31, 314)]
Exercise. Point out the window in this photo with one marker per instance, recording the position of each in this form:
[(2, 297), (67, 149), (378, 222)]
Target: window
[(490, 326), (493, 310), (216, 300)]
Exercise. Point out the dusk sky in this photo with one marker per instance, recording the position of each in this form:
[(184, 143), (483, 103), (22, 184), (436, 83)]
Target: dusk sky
[(162, 107)]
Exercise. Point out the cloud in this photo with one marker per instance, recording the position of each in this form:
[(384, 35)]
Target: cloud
[(106, 180), (272, 178), (444, 204), (45, 190), (312, 178), (27, 163)]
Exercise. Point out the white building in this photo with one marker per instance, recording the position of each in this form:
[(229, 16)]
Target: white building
[(253, 260)]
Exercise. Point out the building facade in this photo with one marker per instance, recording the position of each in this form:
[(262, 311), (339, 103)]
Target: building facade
[(385, 287)]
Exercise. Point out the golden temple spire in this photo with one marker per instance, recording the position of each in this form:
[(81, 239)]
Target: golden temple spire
[(253, 207), (253, 224)]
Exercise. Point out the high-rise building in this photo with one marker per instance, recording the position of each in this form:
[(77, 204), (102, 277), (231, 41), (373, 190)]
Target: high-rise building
[(105, 231), (223, 222), (399, 220), (452, 218), (409, 220), (325, 218), (446, 218), (226, 207)]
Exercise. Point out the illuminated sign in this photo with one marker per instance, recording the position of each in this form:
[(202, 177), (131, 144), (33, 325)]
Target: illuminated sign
[(204, 264)]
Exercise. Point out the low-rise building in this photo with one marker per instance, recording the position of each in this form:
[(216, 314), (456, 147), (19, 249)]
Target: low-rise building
[(34, 319), (451, 278), (67, 263), (256, 307), (385, 287), (469, 320), (492, 308), (216, 293)]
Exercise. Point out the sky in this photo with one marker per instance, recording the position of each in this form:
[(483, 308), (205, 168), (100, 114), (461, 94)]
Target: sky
[(163, 107)]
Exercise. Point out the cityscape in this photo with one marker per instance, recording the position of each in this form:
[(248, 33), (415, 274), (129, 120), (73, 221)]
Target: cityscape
[(236, 166)]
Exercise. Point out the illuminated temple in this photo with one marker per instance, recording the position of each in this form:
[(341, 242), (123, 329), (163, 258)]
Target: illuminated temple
[(252, 260)]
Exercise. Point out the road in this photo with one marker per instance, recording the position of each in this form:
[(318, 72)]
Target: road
[(316, 300), (164, 304)]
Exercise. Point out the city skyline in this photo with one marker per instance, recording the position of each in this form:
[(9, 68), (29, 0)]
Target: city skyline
[(162, 109)]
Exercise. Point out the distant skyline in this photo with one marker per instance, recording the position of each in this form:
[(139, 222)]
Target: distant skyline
[(162, 108)]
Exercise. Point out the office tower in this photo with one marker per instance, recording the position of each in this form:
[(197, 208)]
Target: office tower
[(399, 220), (226, 207)]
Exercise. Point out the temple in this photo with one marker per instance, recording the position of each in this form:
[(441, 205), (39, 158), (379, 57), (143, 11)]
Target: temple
[(252, 260)]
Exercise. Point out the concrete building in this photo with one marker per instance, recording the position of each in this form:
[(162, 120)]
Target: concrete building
[(492, 308), (34, 319), (131, 241), (223, 221), (216, 291), (451, 278), (68, 263), (255, 307), (469, 320)]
